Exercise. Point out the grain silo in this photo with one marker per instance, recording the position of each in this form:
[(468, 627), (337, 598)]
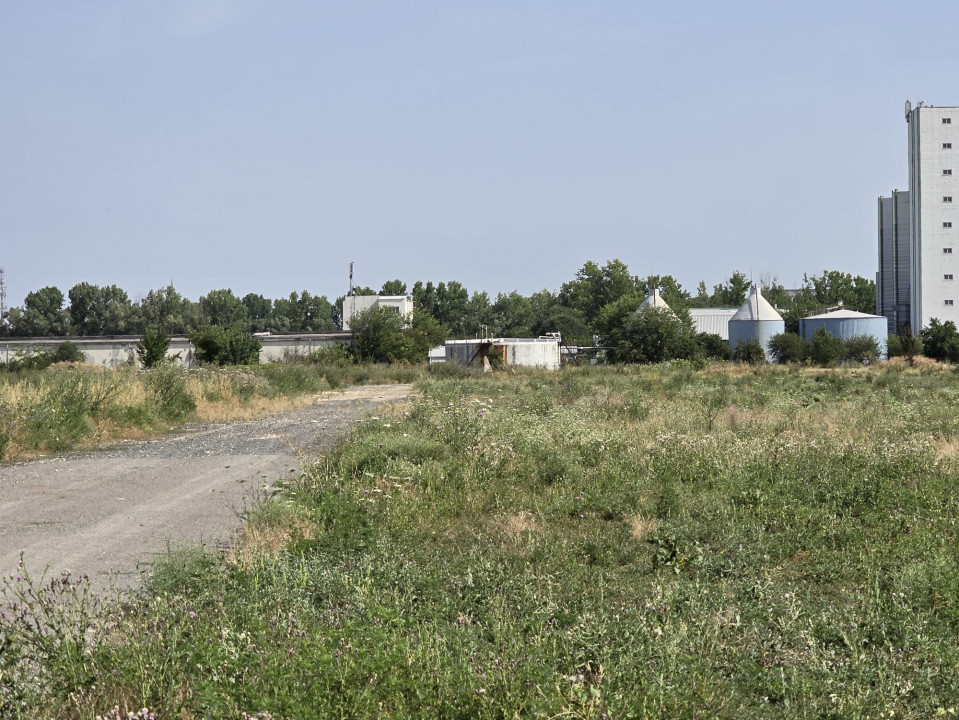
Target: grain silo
[(655, 300), (756, 320), (847, 324)]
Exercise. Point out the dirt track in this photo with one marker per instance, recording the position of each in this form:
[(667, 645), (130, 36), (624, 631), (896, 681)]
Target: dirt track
[(106, 513)]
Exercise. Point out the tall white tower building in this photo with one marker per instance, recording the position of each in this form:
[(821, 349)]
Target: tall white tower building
[(933, 214), (918, 275)]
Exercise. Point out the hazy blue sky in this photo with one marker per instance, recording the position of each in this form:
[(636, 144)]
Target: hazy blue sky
[(262, 146)]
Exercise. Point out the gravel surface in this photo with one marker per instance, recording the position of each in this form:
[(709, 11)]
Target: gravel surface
[(106, 513)]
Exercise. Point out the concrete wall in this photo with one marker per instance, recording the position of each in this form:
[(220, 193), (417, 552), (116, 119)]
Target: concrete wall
[(118, 350)]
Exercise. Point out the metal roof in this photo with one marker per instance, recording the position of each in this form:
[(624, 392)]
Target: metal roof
[(756, 308)]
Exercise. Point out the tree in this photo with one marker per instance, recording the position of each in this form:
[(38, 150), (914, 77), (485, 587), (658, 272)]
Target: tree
[(612, 323), (393, 287), (100, 310), (654, 335), (379, 335), (595, 287), (940, 340), (223, 308), (167, 310), (511, 315), (834, 287), (42, 314), (568, 322), (732, 293), (259, 312), (670, 290), (304, 313), (450, 304)]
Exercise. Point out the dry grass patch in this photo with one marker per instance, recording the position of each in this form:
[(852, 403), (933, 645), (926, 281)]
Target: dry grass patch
[(517, 526), (257, 540), (642, 526), (232, 410)]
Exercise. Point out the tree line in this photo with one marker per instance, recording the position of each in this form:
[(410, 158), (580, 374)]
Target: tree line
[(595, 303)]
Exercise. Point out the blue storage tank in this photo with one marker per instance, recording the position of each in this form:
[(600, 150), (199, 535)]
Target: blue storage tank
[(846, 324), (756, 319)]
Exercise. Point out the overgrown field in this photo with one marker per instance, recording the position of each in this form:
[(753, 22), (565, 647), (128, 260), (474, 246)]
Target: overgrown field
[(66, 407), (596, 543)]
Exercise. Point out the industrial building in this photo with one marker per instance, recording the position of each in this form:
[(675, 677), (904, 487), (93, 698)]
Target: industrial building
[(353, 305), (917, 260), (543, 352), (848, 324), (755, 320)]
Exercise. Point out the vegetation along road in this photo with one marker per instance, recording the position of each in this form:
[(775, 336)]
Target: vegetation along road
[(107, 512)]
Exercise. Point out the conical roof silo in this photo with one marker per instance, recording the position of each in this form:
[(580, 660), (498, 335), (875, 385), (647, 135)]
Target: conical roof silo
[(756, 320)]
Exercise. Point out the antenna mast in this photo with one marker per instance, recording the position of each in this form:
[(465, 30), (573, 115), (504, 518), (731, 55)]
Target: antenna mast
[(351, 280), (3, 297)]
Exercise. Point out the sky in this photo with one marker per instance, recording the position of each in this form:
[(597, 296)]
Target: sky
[(262, 146)]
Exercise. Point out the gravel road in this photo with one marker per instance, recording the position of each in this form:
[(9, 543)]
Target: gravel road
[(106, 513)]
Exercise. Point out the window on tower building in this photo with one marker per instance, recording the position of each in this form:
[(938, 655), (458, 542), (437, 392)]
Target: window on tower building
[(948, 302), (947, 251), (947, 198), (947, 276), (947, 146), (947, 224), (947, 121), (947, 172)]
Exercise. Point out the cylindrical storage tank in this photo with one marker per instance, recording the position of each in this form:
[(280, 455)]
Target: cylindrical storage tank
[(756, 320), (847, 324)]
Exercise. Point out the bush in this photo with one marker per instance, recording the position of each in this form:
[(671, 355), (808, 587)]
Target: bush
[(941, 340), (893, 346), (335, 355), (654, 335), (862, 349), (750, 352), (169, 387), (825, 349), (225, 346), (713, 347), (68, 352), (788, 347), (382, 335), (153, 347)]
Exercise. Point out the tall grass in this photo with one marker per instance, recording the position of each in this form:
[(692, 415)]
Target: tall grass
[(596, 543), (68, 407)]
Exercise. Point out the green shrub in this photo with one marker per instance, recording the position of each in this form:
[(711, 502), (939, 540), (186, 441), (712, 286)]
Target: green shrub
[(336, 355), (713, 346), (862, 349), (788, 347), (749, 352), (152, 348), (893, 346), (825, 349), (68, 352), (940, 340), (225, 346), (168, 384)]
